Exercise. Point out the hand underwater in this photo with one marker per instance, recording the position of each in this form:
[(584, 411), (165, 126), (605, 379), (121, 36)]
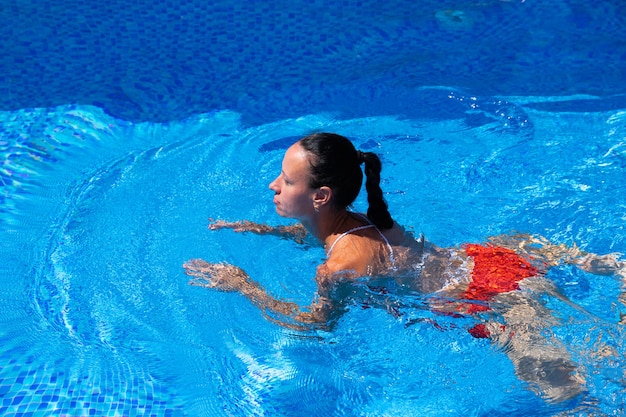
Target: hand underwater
[(221, 224), (220, 276), (239, 226)]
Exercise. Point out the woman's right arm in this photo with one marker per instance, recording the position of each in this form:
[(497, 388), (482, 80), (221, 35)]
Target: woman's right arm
[(296, 232), (230, 278)]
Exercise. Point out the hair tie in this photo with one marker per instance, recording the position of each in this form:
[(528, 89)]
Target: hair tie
[(360, 157)]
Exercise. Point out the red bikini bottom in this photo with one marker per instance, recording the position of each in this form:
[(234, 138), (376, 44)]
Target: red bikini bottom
[(496, 270)]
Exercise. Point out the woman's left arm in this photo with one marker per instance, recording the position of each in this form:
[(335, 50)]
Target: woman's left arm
[(296, 232)]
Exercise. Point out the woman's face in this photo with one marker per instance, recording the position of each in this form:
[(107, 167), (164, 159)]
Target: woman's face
[(293, 197)]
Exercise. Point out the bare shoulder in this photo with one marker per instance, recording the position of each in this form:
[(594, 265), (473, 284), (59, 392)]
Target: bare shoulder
[(366, 253), (350, 254)]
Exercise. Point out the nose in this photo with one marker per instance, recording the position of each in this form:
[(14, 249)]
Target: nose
[(274, 185)]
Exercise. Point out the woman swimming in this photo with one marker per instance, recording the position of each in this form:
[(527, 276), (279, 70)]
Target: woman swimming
[(321, 177)]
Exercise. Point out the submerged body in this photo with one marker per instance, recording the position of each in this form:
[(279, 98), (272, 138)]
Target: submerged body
[(321, 177)]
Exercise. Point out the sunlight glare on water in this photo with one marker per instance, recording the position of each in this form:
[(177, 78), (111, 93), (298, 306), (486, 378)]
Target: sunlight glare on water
[(114, 226)]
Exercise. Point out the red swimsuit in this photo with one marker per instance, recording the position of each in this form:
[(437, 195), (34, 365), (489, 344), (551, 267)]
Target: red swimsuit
[(496, 270)]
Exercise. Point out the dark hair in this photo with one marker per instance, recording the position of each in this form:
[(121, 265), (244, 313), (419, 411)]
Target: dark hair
[(336, 163)]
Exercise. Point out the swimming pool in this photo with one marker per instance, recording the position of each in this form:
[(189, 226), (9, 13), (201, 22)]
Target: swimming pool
[(126, 126)]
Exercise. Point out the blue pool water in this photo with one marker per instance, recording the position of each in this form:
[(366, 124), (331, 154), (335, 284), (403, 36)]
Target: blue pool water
[(126, 126)]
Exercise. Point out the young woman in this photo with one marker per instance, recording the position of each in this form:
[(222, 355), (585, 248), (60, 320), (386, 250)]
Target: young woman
[(321, 177)]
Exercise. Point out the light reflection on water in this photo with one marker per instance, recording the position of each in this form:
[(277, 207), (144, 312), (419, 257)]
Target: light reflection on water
[(101, 222)]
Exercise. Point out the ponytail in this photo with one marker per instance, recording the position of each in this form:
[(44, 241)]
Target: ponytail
[(378, 211)]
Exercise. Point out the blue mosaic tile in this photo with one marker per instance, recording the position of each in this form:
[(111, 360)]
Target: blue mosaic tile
[(145, 60), (31, 389)]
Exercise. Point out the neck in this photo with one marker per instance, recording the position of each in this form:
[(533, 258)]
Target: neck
[(327, 223)]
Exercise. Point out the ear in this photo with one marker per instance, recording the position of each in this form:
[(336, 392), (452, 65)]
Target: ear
[(322, 196)]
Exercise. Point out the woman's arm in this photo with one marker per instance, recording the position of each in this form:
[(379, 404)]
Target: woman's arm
[(230, 278), (296, 232)]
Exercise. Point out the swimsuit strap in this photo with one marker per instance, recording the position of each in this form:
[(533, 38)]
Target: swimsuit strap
[(392, 257), (344, 234)]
